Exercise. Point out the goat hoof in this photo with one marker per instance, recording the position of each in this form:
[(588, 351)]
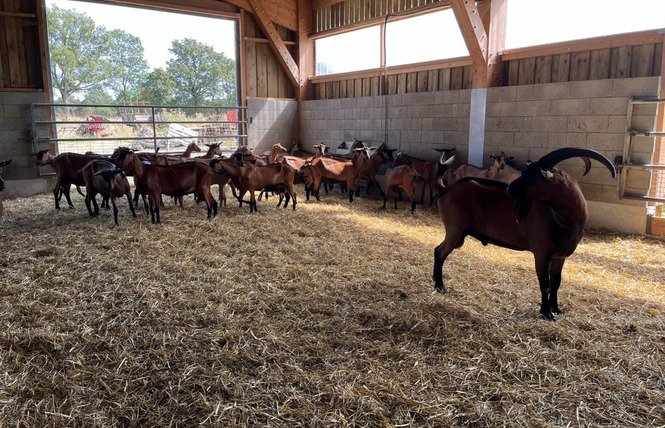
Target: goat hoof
[(71, 207), (548, 316), (441, 289)]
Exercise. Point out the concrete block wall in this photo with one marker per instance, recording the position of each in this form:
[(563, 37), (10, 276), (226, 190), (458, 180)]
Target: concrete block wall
[(416, 122), (272, 121), (21, 176), (529, 121)]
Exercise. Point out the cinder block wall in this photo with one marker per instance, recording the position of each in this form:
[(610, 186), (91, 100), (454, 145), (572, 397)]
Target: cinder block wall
[(21, 176), (524, 121), (272, 121), (529, 121), (416, 122)]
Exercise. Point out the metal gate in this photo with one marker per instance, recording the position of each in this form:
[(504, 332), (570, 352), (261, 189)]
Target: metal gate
[(80, 128)]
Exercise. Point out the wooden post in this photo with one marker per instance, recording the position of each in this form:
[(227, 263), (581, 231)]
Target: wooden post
[(306, 60)]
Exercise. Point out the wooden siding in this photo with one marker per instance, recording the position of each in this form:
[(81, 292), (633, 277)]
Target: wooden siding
[(608, 63), (264, 76), (352, 12), (20, 60), (444, 79)]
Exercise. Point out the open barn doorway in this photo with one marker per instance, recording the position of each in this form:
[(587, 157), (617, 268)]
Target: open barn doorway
[(141, 77)]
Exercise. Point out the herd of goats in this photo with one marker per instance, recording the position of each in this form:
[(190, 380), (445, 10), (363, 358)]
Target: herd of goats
[(521, 206)]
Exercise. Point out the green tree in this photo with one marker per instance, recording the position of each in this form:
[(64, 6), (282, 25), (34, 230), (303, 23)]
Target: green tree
[(202, 76), (158, 88), (128, 65), (79, 52), (99, 96)]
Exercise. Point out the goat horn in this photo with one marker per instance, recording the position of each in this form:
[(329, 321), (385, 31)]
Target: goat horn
[(548, 161)]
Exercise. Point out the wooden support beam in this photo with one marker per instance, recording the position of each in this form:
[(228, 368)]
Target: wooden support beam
[(279, 14), (493, 15), (473, 30), (276, 43), (306, 60)]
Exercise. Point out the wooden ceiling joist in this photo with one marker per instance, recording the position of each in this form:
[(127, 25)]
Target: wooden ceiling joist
[(282, 12)]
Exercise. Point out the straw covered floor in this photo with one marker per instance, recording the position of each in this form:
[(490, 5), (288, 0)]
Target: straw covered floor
[(325, 316)]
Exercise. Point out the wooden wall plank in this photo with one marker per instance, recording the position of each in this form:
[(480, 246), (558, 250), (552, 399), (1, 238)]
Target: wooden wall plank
[(468, 77), (579, 66), (560, 67), (599, 64), (527, 71), (412, 82), (433, 80), (342, 89), (251, 69), (374, 86), (357, 87), (367, 87), (620, 62), (543, 69), (444, 79), (401, 83), (261, 70), (392, 84), (456, 78), (329, 90), (336, 89), (657, 59), (422, 81), (350, 88), (642, 60), (513, 72)]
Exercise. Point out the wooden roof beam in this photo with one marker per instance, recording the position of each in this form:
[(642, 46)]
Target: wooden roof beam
[(276, 43), (284, 16), (473, 30)]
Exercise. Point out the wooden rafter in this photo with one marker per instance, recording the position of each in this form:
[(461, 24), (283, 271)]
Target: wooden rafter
[(473, 30), (276, 43), (284, 16)]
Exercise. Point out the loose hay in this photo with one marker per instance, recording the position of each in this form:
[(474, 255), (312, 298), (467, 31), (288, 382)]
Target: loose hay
[(321, 317)]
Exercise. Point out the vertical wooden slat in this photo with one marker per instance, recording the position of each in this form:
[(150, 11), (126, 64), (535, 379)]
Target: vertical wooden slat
[(642, 61), (329, 90), (336, 89), (261, 70), (357, 87), (467, 73), (433, 80), (620, 62), (412, 82), (374, 84), (527, 67), (560, 67), (579, 66), (657, 59), (392, 84), (272, 70), (401, 83), (599, 64), (421, 85), (366, 87), (513, 72), (543, 70), (444, 79), (456, 78), (251, 69)]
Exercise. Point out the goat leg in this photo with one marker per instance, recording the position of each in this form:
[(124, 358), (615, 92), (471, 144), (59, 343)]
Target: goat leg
[(542, 271), (556, 265)]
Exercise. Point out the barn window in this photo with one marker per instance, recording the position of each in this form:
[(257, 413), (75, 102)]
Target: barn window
[(424, 38), (352, 51)]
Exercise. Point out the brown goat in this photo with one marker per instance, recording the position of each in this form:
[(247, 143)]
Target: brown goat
[(252, 177), (426, 169), (3, 164), (68, 171), (103, 177), (382, 155), (402, 177), (172, 180), (345, 171), (543, 211)]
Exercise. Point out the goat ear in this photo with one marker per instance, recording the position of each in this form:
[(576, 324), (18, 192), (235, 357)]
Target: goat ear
[(547, 174), (4, 163)]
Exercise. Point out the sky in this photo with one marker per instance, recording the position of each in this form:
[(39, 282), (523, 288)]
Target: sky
[(157, 29), (529, 22)]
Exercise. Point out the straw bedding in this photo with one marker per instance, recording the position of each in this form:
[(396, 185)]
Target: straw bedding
[(325, 316)]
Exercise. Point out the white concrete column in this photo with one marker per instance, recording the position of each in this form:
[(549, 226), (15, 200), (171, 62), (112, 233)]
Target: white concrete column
[(477, 126)]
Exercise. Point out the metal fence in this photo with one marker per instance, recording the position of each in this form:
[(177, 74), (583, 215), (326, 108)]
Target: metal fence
[(100, 128)]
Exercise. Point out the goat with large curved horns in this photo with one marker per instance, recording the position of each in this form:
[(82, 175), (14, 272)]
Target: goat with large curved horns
[(543, 211)]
